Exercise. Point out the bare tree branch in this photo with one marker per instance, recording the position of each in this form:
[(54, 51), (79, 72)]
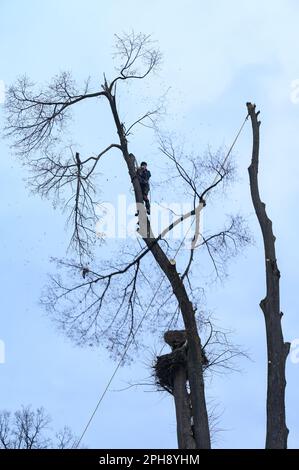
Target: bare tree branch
[(138, 56), (36, 118), (28, 429)]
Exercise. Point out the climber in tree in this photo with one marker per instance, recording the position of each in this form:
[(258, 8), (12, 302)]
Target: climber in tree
[(143, 176)]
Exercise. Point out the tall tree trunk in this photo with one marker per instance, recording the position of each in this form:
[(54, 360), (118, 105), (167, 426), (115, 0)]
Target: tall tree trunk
[(195, 372), (277, 349), (171, 374), (182, 409)]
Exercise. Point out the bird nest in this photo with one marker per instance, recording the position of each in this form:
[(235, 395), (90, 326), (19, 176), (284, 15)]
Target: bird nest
[(166, 367)]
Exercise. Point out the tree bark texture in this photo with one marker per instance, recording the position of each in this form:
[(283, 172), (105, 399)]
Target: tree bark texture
[(277, 349)]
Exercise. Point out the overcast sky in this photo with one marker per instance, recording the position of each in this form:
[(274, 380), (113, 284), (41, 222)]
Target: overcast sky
[(217, 55)]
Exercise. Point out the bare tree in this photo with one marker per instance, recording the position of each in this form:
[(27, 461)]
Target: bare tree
[(105, 302), (29, 429), (277, 349)]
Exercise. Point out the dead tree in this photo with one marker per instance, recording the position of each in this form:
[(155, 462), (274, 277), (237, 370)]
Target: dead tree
[(277, 349), (36, 121)]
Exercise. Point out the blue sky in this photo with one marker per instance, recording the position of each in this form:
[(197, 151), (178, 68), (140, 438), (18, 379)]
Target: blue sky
[(217, 56)]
